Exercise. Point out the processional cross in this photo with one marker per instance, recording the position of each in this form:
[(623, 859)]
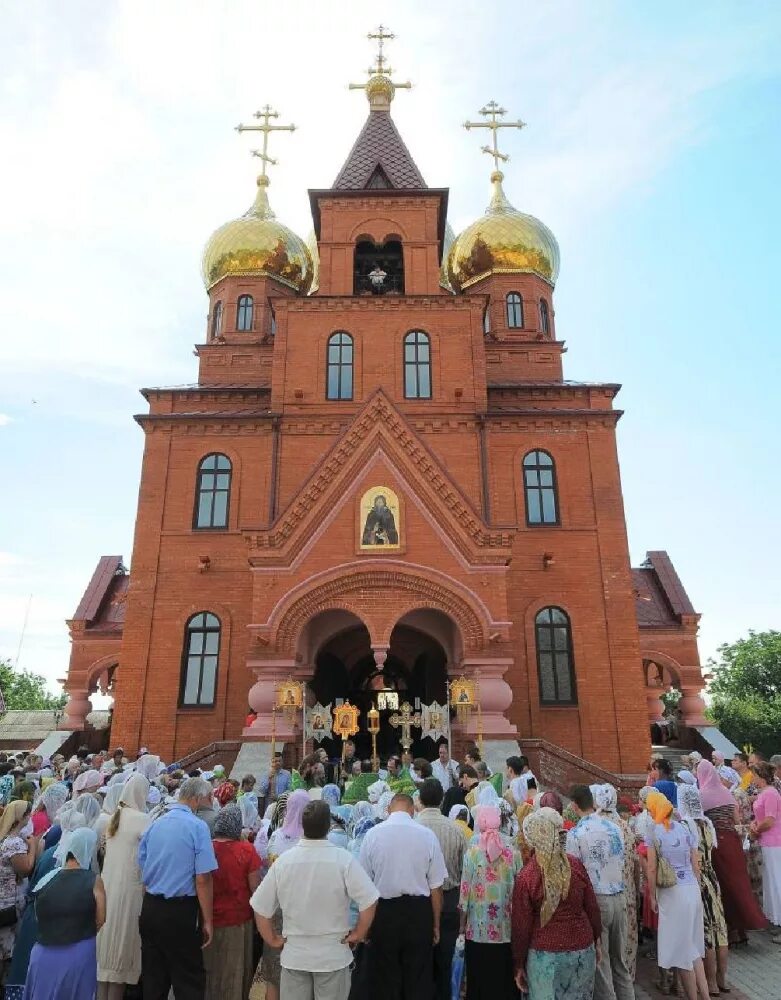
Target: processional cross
[(405, 720), (264, 116), (493, 113)]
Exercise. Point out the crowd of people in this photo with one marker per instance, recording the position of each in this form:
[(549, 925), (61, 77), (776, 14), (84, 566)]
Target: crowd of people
[(328, 881)]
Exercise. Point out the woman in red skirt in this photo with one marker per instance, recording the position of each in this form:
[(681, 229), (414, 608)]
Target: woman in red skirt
[(740, 905)]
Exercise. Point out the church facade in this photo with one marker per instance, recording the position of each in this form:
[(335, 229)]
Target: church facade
[(382, 481)]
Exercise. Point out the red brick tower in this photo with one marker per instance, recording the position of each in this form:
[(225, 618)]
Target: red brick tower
[(381, 480)]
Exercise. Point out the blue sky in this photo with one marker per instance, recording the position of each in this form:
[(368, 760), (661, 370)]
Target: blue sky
[(653, 151)]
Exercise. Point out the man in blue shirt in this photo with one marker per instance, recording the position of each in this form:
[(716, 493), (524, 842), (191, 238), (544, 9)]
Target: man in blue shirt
[(276, 783), (177, 859)]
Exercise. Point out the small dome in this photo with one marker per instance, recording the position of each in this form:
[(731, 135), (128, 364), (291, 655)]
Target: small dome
[(256, 244), (503, 241)]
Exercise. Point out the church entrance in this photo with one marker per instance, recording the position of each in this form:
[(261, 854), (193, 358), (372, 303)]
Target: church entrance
[(415, 671)]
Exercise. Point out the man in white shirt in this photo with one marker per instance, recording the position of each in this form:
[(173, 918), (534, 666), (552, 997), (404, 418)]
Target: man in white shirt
[(404, 860), (518, 775), (445, 769), (599, 844), (313, 884)]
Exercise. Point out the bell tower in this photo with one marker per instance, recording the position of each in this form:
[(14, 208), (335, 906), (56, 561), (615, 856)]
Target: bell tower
[(380, 229)]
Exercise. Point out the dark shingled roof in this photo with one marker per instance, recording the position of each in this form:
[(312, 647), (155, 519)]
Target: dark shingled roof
[(659, 595), (379, 145)]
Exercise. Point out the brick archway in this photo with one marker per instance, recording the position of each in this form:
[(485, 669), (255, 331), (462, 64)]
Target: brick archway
[(380, 595)]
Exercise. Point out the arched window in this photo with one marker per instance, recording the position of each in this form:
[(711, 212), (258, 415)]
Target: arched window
[(514, 310), (200, 658), (544, 317), (244, 308), (555, 663), (216, 320), (417, 365), (539, 486), (212, 492), (339, 369)]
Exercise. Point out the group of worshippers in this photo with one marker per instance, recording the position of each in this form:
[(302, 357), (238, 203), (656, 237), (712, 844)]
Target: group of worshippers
[(118, 873), (710, 854)]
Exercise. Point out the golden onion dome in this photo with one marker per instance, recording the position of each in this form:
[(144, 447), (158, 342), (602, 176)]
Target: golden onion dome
[(256, 244), (447, 243), (503, 241)]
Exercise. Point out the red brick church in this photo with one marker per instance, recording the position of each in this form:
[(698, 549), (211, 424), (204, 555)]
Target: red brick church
[(382, 480)]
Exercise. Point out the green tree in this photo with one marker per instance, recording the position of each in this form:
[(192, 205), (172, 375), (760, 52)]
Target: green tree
[(746, 691), (22, 689)]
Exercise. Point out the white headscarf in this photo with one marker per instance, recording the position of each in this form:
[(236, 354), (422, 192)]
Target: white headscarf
[(111, 801), (250, 819), (690, 810), (605, 799), (148, 765), (729, 774), (135, 792), (686, 778), (54, 798), (82, 844)]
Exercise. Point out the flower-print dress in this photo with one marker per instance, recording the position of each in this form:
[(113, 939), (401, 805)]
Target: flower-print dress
[(11, 890), (487, 894)]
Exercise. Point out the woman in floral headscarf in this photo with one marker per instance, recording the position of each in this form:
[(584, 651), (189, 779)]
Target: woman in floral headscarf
[(556, 923), (485, 902)]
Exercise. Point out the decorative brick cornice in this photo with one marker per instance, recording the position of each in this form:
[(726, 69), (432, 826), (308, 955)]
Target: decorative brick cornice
[(383, 303)]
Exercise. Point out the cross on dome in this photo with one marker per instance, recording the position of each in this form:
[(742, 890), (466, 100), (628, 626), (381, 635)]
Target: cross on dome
[(380, 88), (264, 117), (493, 113)]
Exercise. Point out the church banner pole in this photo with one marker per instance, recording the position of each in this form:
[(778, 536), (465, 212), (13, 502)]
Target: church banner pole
[(303, 720)]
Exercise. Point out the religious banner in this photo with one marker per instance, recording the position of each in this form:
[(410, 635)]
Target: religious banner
[(290, 697), (463, 697), (434, 721), (318, 722), (346, 720)]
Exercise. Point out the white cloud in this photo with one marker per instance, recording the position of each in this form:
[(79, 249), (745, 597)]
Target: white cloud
[(5, 420)]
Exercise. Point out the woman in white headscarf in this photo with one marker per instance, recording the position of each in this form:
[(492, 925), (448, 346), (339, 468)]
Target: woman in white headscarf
[(149, 766), (119, 943), (70, 906), (110, 803), (48, 804), (715, 924), (606, 803)]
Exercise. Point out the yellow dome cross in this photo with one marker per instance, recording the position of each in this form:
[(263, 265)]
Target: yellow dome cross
[(493, 112), (264, 116)]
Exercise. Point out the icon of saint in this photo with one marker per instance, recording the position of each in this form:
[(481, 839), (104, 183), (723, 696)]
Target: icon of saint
[(380, 527)]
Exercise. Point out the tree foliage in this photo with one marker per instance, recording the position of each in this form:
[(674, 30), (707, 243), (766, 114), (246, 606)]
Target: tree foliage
[(746, 691), (23, 690)]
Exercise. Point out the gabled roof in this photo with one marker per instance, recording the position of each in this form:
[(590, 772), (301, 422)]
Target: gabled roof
[(379, 154), (660, 598), (103, 603)]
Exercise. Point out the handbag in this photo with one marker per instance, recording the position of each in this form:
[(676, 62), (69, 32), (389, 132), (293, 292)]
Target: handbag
[(665, 873), (8, 916)]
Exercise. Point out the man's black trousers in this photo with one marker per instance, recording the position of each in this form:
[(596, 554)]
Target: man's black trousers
[(171, 954)]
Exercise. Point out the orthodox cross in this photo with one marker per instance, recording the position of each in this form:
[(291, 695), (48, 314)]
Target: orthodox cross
[(382, 36), (492, 113), (405, 720), (264, 117), (380, 68)]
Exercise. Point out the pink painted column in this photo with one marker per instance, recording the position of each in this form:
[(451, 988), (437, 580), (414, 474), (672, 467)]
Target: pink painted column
[(495, 696), (76, 710), (691, 706), (261, 699)]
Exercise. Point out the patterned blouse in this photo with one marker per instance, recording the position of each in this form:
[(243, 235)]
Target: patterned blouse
[(487, 893)]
